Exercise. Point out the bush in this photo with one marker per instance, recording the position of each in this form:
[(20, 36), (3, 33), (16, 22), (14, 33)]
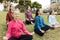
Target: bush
[(36, 5), (23, 4), (1, 1)]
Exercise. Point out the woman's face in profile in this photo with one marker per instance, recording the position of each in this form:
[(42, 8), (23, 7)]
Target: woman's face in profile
[(12, 8), (40, 11), (29, 8)]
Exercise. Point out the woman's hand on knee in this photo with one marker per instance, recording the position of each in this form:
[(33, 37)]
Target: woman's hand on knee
[(42, 31), (32, 33)]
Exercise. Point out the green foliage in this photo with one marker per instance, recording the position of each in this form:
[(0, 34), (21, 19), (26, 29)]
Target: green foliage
[(36, 5), (21, 7), (28, 3), (14, 0), (23, 4), (1, 0)]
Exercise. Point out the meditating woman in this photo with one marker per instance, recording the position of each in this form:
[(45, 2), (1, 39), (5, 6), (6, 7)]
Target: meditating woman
[(9, 14), (15, 29), (28, 16), (40, 27), (52, 19)]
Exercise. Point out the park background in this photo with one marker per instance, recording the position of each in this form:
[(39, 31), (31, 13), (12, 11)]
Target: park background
[(49, 35)]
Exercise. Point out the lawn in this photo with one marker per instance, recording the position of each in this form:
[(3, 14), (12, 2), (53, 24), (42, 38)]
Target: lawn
[(49, 35)]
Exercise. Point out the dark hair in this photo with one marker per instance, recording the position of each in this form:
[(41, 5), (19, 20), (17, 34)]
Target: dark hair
[(37, 12), (10, 8), (50, 12)]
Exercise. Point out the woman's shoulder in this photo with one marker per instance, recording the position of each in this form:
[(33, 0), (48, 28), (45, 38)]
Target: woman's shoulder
[(11, 22), (8, 13), (20, 21), (37, 17), (26, 11), (50, 15)]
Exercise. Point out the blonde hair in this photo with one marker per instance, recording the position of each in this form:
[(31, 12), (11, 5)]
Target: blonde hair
[(16, 10)]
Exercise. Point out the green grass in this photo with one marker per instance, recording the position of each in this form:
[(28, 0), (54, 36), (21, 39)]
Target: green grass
[(49, 35)]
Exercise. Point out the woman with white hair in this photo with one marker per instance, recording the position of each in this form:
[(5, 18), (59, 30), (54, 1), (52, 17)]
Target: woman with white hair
[(15, 28)]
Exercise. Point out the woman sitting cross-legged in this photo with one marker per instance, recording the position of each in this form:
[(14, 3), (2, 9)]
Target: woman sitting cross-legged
[(9, 14), (15, 29), (40, 27), (28, 16), (52, 19)]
